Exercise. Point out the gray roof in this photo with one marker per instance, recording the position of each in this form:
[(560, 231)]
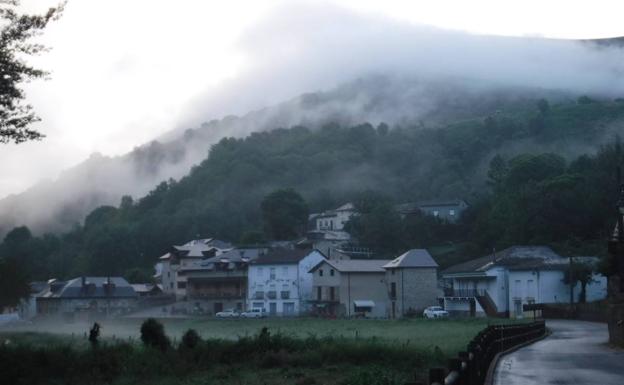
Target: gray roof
[(514, 258), (197, 247), (346, 207), (435, 203), (411, 207), (354, 265), (412, 258), (279, 256), (145, 287), (94, 288)]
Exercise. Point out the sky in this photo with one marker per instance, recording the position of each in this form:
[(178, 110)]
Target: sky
[(124, 72)]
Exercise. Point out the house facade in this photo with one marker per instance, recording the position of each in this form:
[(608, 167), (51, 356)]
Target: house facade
[(350, 287), (219, 282), (187, 256), (499, 284), (411, 282), (278, 281), (448, 210), (334, 220), (87, 297)]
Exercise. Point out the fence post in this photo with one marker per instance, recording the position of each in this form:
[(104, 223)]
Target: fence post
[(455, 365), (436, 376), (467, 372)]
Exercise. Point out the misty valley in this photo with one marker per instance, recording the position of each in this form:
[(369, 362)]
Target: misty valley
[(342, 194)]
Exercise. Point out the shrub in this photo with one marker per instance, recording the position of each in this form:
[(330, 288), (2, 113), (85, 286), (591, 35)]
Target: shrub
[(153, 334), (190, 339)]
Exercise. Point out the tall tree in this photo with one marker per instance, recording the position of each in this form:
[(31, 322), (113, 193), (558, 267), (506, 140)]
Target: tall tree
[(13, 283), (16, 117), (285, 214)]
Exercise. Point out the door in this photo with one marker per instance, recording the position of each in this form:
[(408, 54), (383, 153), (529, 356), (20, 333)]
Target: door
[(518, 308), (289, 309), (473, 307), (272, 308)]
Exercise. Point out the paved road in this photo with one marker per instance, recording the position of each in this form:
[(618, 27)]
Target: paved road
[(575, 353)]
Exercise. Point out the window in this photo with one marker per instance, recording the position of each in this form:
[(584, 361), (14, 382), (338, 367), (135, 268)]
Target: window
[(436, 213), (320, 272), (393, 290), (332, 293), (331, 272), (260, 271), (259, 294), (392, 271), (168, 274), (171, 285), (181, 285), (285, 271), (272, 273), (452, 212), (319, 293)]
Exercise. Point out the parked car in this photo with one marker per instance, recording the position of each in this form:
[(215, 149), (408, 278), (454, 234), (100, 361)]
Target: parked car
[(435, 312), (228, 313), (256, 312)]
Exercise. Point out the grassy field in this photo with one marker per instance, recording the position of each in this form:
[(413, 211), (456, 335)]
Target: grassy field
[(449, 335), (301, 351)]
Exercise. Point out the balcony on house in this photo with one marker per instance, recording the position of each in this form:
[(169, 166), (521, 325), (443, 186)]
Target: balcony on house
[(466, 300), (285, 294), (258, 295), (216, 288), (272, 294)]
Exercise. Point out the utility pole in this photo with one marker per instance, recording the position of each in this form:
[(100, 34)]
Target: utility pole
[(572, 281)]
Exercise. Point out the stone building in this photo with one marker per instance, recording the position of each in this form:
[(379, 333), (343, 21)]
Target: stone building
[(87, 297), (350, 288), (412, 283)]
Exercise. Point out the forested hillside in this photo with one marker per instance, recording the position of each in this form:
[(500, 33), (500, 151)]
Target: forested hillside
[(534, 174), (56, 205)]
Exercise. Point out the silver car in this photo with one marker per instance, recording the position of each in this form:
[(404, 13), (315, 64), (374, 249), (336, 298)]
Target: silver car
[(435, 312), (228, 313)]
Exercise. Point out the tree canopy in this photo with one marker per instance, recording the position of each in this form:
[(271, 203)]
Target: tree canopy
[(16, 116)]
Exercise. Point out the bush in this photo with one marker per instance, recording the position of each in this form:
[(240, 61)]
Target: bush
[(190, 339), (153, 335)]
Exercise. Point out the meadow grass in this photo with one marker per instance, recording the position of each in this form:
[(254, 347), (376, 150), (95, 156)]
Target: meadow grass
[(449, 335), (301, 351)]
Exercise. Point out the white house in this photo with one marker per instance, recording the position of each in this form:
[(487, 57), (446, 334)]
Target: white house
[(334, 220), (279, 282), (189, 255), (500, 283)]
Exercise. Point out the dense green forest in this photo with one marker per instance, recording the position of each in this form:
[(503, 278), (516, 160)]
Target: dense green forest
[(544, 175)]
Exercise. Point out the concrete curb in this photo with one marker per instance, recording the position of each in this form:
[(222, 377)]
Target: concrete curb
[(489, 377)]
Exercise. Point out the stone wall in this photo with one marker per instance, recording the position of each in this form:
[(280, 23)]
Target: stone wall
[(416, 289)]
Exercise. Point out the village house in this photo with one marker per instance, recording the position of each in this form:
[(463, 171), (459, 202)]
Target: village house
[(279, 281), (219, 282), (333, 220), (448, 210), (499, 284), (191, 254), (350, 287), (87, 297), (412, 283), (146, 290)]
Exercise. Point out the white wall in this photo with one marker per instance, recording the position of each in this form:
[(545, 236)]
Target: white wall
[(288, 277)]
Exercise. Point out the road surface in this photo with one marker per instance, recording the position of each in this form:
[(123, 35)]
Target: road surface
[(575, 353)]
